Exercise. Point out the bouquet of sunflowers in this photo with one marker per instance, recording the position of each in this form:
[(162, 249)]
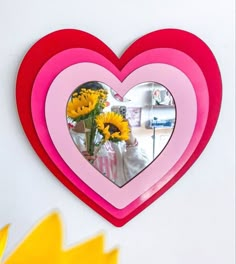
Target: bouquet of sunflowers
[(88, 106)]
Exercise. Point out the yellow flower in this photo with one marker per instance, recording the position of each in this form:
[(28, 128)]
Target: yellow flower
[(102, 95), (87, 101), (79, 107), (44, 245), (112, 126)]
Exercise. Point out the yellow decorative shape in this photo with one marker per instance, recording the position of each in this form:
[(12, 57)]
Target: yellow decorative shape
[(90, 252), (3, 240), (44, 246)]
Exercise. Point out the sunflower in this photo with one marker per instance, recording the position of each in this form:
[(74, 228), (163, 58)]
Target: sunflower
[(80, 106), (102, 95), (112, 126), (85, 102)]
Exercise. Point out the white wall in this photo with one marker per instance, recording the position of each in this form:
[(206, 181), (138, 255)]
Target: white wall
[(191, 223)]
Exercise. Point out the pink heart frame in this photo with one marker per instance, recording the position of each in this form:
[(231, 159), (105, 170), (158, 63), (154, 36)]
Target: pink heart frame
[(47, 75), (202, 72)]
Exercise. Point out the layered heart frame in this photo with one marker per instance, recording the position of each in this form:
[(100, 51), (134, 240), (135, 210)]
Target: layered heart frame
[(64, 59)]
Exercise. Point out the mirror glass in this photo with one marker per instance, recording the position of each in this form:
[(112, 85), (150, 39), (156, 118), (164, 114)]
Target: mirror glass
[(120, 136)]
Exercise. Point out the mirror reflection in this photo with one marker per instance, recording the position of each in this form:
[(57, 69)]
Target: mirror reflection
[(118, 135)]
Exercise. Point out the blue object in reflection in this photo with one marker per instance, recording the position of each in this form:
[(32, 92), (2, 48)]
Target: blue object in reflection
[(157, 123)]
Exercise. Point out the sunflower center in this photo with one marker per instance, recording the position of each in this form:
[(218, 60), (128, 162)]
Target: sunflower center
[(112, 128)]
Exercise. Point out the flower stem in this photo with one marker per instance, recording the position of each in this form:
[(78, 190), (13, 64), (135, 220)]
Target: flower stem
[(90, 133)]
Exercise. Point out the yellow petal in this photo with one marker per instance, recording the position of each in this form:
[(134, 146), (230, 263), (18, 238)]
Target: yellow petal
[(3, 239), (91, 251), (106, 133), (112, 257), (40, 246)]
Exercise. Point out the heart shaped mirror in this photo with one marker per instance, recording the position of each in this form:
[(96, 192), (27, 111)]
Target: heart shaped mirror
[(120, 136), (65, 59)]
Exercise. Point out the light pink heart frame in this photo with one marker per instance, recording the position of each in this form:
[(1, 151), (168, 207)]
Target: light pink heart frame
[(171, 67), (170, 77)]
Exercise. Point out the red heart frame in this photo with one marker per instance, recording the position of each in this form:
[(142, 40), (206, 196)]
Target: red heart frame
[(61, 40)]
